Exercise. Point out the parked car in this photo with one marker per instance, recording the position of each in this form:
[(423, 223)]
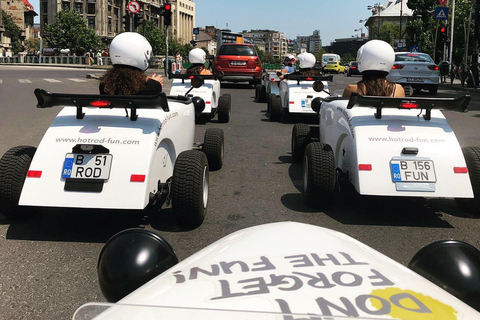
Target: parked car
[(238, 62), (352, 69), (415, 69), (334, 67)]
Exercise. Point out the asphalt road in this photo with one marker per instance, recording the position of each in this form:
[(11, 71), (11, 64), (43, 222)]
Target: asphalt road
[(48, 262)]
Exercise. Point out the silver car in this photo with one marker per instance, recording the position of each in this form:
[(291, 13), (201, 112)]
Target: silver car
[(415, 69)]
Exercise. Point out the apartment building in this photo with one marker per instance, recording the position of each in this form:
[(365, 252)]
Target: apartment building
[(22, 14), (106, 16), (275, 42)]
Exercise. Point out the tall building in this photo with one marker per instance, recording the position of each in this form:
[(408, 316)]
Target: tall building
[(311, 43), (22, 14), (107, 16), (275, 42)]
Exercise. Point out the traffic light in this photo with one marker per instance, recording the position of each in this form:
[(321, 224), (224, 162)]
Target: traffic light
[(443, 34), (166, 12), (138, 19), (126, 22), (193, 43)]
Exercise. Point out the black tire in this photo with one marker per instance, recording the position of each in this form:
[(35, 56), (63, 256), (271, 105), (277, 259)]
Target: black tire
[(189, 191), (213, 148), (269, 103), (300, 140), (224, 108), (472, 158), (262, 95), (319, 175), (276, 109), (433, 89), (257, 92), (14, 166)]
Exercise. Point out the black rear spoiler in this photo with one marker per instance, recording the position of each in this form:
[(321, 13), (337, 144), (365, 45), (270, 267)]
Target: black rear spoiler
[(299, 78), (458, 103), (184, 76), (47, 99)]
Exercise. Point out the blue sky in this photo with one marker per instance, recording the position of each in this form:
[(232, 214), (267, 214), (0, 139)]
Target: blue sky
[(334, 19)]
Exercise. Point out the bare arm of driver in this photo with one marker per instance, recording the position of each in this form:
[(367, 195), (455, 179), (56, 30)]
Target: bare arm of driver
[(348, 90), (205, 72), (399, 91), (156, 77)]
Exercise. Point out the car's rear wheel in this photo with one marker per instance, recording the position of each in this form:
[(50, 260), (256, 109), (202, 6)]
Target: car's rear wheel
[(14, 166), (257, 92), (224, 108), (433, 89), (213, 148), (262, 95), (472, 158), (319, 175), (189, 191), (276, 108), (269, 103), (300, 140)]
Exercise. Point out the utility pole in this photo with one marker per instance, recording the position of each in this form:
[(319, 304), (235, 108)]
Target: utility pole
[(450, 60)]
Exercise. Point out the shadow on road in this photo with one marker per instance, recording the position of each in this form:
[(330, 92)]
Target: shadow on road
[(82, 225)]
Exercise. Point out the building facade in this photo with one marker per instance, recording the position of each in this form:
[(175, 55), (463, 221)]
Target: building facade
[(275, 42), (22, 14), (107, 16)]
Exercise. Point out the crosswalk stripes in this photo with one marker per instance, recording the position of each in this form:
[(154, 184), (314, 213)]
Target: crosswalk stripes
[(52, 80), (77, 80), (48, 80)]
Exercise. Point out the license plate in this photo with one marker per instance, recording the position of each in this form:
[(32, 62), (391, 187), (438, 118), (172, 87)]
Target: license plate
[(238, 63), (87, 166), (415, 80), (306, 103), (413, 171)]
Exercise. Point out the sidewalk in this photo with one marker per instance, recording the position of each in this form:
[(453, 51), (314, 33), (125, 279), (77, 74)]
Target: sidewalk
[(457, 85)]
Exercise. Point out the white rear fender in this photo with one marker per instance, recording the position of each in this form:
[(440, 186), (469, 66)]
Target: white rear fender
[(209, 92), (144, 148)]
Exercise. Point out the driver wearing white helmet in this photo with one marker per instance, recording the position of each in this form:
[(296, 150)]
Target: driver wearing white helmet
[(197, 58), (130, 53), (306, 63), (375, 60)]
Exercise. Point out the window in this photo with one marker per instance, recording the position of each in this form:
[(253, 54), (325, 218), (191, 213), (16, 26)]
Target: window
[(91, 22), (79, 8), (91, 8)]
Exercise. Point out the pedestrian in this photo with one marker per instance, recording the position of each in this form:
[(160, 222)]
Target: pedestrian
[(130, 52), (99, 58)]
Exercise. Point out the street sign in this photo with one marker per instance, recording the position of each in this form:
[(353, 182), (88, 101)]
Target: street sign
[(441, 13), (196, 30), (443, 2), (414, 49), (133, 7)]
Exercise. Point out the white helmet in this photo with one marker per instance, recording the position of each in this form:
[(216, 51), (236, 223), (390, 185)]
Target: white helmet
[(307, 60), (375, 55), (197, 55), (131, 49)]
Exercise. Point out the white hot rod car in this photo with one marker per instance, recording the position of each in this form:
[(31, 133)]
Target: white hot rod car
[(283, 271), (215, 104), (384, 146), (114, 152), (295, 95)]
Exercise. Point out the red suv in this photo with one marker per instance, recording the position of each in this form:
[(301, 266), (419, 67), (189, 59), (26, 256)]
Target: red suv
[(238, 62)]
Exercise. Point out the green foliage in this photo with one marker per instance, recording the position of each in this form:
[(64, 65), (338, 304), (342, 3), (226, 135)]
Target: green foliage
[(32, 45), (12, 31), (155, 36), (346, 58), (71, 31), (389, 32), (261, 54)]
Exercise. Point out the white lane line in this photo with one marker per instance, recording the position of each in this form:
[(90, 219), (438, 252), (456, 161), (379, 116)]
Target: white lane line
[(52, 80), (24, 81), (1, 81), (77, 80)]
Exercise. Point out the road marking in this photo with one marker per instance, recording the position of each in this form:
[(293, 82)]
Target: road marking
[(77, 80), (1, 81), (52, 80), (24, 81)]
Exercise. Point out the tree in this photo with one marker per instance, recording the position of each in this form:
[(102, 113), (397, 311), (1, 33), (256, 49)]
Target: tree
[(13, 32), (389, 32), (421, 29), (32, 45), (261, 54), (155, 36), (70, 31)]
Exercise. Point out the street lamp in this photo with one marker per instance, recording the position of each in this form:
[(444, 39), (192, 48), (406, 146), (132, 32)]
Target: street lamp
[(361, 31)]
